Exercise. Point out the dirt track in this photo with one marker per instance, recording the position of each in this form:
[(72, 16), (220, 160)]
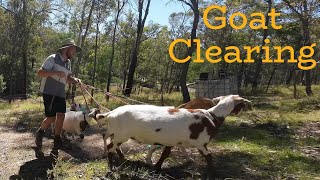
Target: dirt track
[(18, 161), (17, 155)]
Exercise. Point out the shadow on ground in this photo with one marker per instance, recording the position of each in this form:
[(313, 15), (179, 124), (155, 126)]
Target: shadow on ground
[(235, 165), (37, 168)]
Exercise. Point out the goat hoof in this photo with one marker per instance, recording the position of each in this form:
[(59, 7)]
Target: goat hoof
[(81, 136), (112, 169)]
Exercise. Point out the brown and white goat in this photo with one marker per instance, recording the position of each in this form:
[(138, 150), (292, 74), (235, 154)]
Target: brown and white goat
[(198, 103), (169, 127)]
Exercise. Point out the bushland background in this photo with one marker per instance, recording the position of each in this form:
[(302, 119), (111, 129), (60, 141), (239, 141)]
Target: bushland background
[(126, 54)]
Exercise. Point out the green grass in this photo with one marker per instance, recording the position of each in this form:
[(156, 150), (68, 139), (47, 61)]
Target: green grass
[(265, 143)]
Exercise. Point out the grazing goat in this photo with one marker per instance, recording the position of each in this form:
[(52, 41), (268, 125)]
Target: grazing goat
[(168, 127), (199, 103)]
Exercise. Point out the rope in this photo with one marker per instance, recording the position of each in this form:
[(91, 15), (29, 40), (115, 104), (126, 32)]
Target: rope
[(83, 88), (84, 97), (114, 97), (118, 96)]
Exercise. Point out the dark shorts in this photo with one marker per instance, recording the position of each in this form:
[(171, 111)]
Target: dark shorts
[(52, 107)]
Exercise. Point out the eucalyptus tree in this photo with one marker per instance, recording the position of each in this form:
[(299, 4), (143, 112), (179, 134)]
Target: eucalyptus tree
[(125, 44), (143, 5), (194, 6), (120, 5), (307, 11), (179, 25), (24, 19)]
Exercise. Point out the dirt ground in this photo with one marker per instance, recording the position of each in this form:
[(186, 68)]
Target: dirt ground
[(17, 154), (18, 161)]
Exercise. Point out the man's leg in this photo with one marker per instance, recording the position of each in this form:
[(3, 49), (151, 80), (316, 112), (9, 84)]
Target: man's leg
[(40, 132), (57, 130)]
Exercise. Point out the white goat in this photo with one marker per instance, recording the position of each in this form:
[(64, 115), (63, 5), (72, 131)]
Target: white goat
[(198, 103), (168, 127), (75, 122)]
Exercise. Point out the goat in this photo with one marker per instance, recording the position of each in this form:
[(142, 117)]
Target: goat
[(75, 122), (199, 103), (168, 127), (73, 107)]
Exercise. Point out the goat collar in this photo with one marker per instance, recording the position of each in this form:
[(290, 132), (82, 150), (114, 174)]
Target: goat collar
[(217, 120), (84, 116)]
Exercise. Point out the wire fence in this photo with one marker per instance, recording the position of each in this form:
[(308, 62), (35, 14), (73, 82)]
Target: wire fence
[(215, 87)]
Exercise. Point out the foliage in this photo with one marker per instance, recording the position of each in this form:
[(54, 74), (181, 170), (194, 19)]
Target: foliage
[(40, 27), (2, 84)]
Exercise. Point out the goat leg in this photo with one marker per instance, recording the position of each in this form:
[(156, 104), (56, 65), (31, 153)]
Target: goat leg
[(120, 154), (110, 161), (149, 155), (110, 156), (210, 169), (165, 154), (104, 144)]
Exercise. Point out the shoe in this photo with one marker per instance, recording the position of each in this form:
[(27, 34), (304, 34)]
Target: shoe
[(57, 142), (54, 154), (39, 137), (39, 154)]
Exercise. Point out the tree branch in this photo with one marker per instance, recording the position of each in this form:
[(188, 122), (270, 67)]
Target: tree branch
[(187, 3), (6, 9), (294, 10)]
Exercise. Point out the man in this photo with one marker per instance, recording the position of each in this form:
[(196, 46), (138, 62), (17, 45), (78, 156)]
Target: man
[(56, 73)]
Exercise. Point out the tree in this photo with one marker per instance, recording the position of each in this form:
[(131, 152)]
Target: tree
[(120, 6), (134, 57), (25, 19), (193, 4), (259, 62), (305, 10)]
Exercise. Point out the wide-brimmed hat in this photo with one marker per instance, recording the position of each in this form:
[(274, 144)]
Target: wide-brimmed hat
[(69, 43)]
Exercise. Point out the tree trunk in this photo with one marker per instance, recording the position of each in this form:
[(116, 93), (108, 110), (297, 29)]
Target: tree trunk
[(185, 67), (81, 43), (308, 80), (304, 17), (295, 84), (135, 51), (95, 55), (290, 75), (24, 49), (120, 6), (272, 74), (257, 73)]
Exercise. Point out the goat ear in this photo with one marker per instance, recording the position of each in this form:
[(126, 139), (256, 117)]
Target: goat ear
[(217, 99), (100, 116)]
